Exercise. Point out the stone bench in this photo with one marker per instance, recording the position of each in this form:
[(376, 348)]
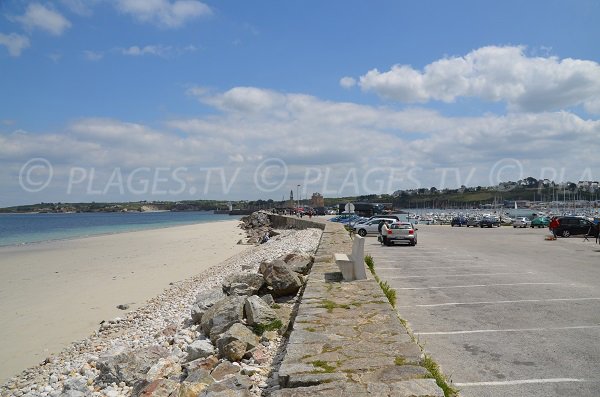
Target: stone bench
[(353, 266)]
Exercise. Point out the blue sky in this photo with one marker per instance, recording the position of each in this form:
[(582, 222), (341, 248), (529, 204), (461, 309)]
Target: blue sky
[(104, 100)]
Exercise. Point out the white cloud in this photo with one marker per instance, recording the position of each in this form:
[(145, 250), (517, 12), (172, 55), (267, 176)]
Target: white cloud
[(55, 57), (527, 84), (146, 50), (38, 16), (315, 136), (93, 55), (157, 50), (347, 82), (164, 13), (80, 7), (15, 43)]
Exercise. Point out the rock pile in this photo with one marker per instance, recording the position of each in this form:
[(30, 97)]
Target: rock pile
[(258, 228), (217, 334), (225, 343)]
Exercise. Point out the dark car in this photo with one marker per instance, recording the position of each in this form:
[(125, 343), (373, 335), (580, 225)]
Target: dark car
[(574, 225), (489, 222), (458, 221)]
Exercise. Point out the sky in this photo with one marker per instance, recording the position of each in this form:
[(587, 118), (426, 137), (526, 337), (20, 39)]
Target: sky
[(129, 100)]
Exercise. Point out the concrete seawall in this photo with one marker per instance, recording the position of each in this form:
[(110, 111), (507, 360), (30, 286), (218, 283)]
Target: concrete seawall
[(347, 339), (291, 222)]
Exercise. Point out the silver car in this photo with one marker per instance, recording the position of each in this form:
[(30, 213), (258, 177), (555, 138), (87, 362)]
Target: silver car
[(370, 227), (521, 222), (401, 232)]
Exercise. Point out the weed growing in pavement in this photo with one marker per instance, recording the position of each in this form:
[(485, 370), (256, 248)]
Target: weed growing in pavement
[(399, 360), (440, 379), (389, 292), (330, 305), (323, 365), (370, 263)]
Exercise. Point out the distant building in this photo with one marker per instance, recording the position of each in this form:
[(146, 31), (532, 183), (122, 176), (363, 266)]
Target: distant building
[(317, 200)]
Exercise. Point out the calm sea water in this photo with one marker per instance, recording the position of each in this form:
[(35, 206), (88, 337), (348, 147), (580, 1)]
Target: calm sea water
[(31, 228)]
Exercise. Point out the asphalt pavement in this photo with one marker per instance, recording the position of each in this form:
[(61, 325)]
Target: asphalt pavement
[(503, 311)]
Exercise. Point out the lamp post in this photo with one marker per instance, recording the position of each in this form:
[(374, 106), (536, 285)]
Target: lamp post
[(298, 196)]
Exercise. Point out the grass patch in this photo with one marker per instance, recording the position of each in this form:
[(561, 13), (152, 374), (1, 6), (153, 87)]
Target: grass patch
[(389, 292), (399, 360), (370, 263), (329, 349), (440, 379), (274, 325), (324, 366), (310, 329), (330, 305), (275, 306)]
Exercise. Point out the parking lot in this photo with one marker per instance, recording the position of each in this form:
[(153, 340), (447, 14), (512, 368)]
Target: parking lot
[(504, 312)]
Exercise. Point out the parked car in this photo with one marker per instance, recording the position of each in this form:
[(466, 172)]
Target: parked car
[(369, 227), (349, 220), (380, 216), (541, 221), (458, 221), (343, 218), (357, 221), (475, 222), (574, 225), (521, 222), (402, 232), (489, 222)]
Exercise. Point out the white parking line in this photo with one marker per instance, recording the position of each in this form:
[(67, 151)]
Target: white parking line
[(504, 302), (483, 331), (403, 258), (481, 285), (519, 382), (437, 267), (462, 275)]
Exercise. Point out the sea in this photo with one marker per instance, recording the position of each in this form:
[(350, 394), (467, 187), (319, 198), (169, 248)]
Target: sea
[(20, 229)]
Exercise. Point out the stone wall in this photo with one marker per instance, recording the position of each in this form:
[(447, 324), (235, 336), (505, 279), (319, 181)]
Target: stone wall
[(292, 222)]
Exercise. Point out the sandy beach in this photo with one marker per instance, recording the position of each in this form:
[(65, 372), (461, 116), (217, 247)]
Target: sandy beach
[(54, 293)]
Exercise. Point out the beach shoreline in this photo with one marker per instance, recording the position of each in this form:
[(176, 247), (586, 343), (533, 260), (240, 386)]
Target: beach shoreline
[(55, 292)]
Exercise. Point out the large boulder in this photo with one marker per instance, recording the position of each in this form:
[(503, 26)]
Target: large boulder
[(298, 262), (222, 315), (224, 370), (161, 388), (165, 368), (204, 301), (237, 385), (258, 219), (258, 312), (208, 363), (243, 284), (129, 366), (200, 348), (280, 277), (236, 341), (192, 389)]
